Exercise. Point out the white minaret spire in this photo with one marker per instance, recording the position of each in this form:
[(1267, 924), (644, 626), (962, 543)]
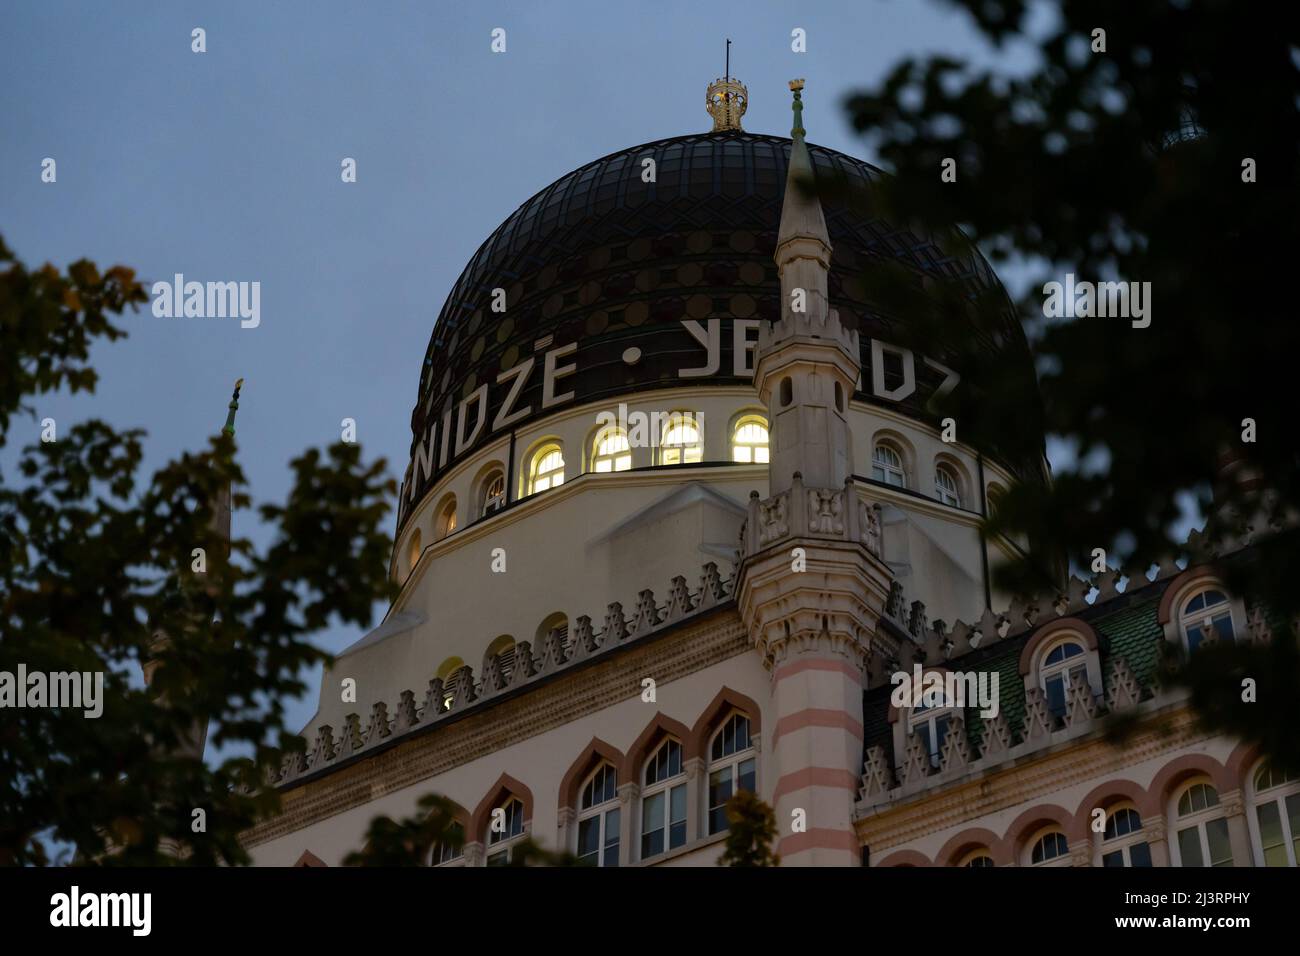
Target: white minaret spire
[(807, 364)]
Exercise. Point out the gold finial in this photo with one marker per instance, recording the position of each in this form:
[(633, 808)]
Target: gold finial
[(796, 85), (727, 99), (726, 102)]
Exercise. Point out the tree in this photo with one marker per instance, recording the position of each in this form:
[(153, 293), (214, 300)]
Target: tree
[(410, 842), (99, 574), (751, 828), (1149, 143)]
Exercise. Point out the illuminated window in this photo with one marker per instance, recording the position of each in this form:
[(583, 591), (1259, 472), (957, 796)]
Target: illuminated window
[(750, 441), (599, 818), (493, 495), (945, 486), (449, 674), (447, 517), (413, 551), (681, 443), (1277, 816), (732, 767), (611, 452), (1207, 616), (547, 470), (887, 465), (1202, 828), (663, 801)]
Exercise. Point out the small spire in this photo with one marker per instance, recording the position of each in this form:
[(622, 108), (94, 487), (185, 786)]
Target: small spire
[(233, 407), (801, 215)]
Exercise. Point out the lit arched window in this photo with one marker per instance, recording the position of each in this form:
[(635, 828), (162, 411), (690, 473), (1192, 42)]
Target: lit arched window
[(887, 465), (931, 723), (945, 486), (547, 469), (493, 494), (1064, 665), (447, 517), (663, 801), (749, 442), (599, 818), (1048, 848), (979, 857), (503, 649), (732, 767), (413, 551), (682, 443), (1122, 842), (1277, 816), (504, 831), (611, 451), (449, 673), (1202, 828), (1206, 615)]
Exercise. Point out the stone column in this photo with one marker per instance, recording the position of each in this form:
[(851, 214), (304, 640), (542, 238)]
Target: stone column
[(629, 823), (1157, 839), (567, 835), (697, 795), (1234, 809)]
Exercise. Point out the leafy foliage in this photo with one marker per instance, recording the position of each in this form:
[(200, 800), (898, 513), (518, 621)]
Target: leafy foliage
[(752, 828), (1123, 165), (96, 575)]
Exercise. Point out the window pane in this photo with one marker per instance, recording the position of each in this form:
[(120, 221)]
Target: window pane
[(1115, 859), (589, 839), (1056, 696), (1270, 834), (1139, 855), (1189, 847), (1293, 818), (719, 793), (748, 776), (677, 830), (1216, 832)]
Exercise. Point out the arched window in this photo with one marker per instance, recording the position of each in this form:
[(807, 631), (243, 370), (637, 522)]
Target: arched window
[(732, 766), (749, 442), (682, 442), (1277, 816), (546, 469), (977, 857), (1050, 847), (1064, 665), (1207, 615), (492, 496), (503, 649), (413, 551), (931, 723), (505, 828), (887, 465), (451, 850), (1122, 842), (1202, 828), (552, 622), (994, 495), (611, 451), (449, 673), (946, 487), (599, 818), (447, 517), (663, 801)]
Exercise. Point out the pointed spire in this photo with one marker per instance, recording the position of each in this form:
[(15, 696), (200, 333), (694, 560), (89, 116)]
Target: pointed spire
[(233, 407), (801, 214)]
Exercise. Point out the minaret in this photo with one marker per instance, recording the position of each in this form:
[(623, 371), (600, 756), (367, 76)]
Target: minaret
[(812, 584)]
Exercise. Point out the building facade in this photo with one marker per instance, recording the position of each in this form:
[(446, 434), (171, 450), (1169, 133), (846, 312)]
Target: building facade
[(676, 517)]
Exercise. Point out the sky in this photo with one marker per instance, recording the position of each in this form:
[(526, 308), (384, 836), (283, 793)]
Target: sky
[(225, 166)]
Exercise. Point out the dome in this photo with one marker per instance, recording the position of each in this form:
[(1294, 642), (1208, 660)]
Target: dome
[(615, 265)]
